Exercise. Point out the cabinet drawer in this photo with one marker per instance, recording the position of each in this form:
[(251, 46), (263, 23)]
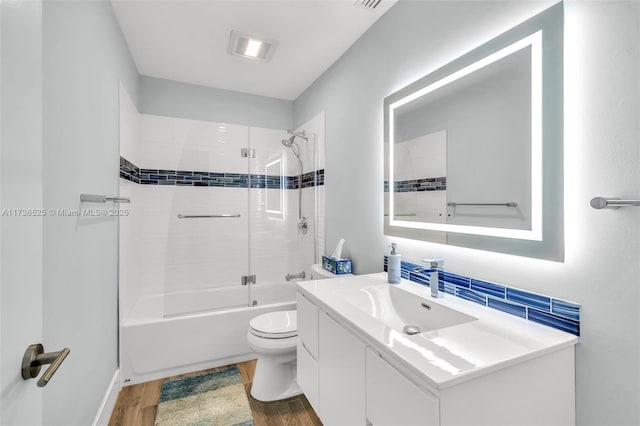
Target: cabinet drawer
[(308, 376), (308, 324), (395, 401)]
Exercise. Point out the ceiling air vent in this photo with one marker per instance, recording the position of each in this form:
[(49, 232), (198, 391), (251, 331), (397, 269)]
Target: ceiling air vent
[(367, 4)]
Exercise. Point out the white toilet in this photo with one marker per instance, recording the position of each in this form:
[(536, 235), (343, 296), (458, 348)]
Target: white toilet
[(274, 336)]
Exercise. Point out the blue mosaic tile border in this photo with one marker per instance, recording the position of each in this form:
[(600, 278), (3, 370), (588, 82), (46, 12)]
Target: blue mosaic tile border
[(131, 172), (539, 308), (418, 185)]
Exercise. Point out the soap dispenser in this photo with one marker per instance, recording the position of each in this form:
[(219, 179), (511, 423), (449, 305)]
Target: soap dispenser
[(393, 265)]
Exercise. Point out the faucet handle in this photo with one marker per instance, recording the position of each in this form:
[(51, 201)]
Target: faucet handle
[(434, 263)]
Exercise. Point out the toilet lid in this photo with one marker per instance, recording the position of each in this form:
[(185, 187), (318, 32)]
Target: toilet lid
[(275, 325)]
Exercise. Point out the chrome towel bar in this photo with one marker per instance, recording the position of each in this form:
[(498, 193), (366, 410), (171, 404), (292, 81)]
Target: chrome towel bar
[(92, 198), (508, 204), (201, 216), (612, 203)]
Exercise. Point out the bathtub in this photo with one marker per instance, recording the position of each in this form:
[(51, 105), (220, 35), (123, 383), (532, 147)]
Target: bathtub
[(176, 333)]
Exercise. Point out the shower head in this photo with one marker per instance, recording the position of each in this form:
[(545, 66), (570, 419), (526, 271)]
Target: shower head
[(289, 142)]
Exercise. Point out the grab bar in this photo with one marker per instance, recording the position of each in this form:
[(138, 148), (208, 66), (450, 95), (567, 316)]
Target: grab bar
[(201, 216), (93, 198), (507, 204), (612, 203)]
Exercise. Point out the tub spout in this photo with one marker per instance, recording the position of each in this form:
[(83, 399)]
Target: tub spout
[(301, 275)]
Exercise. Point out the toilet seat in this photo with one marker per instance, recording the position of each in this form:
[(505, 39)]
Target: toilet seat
[(275, 325)]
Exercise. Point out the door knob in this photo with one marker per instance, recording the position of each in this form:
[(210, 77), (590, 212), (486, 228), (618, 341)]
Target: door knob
[(34, 358)]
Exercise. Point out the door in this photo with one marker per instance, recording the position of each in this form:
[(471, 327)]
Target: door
[(394, 400), (281, 213), (341, 374), (21, 300)]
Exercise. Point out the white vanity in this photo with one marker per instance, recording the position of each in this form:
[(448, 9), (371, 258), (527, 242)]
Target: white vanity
[(465, 365)]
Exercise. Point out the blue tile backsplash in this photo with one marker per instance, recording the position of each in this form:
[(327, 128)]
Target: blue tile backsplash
[(132, 173), (546, 310)]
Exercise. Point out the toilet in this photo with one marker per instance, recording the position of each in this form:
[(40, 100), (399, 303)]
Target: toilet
[(274, 337)]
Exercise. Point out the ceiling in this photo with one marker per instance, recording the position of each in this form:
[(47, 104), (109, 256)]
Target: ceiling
[(187, 40)]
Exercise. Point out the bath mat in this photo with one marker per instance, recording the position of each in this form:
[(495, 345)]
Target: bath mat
[(216, 398)]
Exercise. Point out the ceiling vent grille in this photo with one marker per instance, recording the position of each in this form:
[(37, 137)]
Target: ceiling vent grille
[(367, 4)]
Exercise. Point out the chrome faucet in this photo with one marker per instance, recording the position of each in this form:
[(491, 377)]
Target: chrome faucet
[(435, 266)]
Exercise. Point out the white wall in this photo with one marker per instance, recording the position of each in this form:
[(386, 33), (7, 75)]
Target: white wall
[(128, 268), (175, 99), (84, 58), (20, 188), (601, 266)]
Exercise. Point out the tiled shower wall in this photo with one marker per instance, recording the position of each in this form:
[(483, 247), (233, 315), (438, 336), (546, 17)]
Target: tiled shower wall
[(173, 166)]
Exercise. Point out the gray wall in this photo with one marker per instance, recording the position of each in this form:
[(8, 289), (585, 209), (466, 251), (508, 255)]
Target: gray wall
[(602, 94), (20, 188), (85, 56), (175, 99)]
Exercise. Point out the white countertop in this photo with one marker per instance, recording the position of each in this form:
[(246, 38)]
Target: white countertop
[(443, 357)]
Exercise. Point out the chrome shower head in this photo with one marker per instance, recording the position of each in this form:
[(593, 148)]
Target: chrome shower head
[(289, 142)]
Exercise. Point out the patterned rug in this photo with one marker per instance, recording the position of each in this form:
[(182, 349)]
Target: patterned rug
[(216, 398)]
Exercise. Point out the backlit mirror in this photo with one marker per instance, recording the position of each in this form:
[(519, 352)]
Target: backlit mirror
[(473, 151)]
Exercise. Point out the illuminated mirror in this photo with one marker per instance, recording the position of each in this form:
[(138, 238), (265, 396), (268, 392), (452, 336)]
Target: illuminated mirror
[(473, 151)]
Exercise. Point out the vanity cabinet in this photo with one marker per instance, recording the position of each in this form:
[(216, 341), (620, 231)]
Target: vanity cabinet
[(392, 400), (351, 379)]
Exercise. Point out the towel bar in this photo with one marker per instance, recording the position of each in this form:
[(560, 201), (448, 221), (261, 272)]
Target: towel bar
[(92, 198), (612, 203), (200, 216)]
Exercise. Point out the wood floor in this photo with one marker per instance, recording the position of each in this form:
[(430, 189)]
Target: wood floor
[(137, 404)]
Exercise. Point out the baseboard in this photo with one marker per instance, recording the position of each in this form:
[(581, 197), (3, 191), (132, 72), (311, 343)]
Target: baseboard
[(108, 402)]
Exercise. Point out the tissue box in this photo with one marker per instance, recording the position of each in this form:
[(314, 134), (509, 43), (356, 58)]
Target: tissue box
[(336, 266)]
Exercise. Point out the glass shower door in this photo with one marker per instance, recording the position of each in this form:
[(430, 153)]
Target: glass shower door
[(207, 251), (281, 228)]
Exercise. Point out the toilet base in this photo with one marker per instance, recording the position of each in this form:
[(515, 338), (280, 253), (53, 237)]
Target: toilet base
[(274, 380)]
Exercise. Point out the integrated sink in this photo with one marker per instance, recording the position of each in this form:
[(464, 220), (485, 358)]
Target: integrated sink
[(403, 311)]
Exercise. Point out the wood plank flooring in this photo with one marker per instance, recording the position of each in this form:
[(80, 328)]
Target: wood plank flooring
[(137, 404)]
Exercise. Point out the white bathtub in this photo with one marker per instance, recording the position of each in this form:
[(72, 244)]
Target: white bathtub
[(176, 333)]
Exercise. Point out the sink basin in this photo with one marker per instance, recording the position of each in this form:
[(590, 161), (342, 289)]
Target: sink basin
[(402, 310)]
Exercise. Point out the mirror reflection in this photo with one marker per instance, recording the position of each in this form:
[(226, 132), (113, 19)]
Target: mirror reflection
[(462, 148)]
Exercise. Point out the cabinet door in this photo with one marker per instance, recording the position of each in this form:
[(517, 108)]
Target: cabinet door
[(342, 399), (307, 351), (308, 324), (393, 400)]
